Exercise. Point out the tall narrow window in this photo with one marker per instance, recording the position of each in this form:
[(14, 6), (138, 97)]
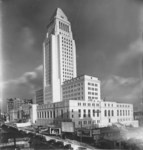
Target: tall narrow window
[(112, 113), (105, 113), (120, 112), (108, 112), (117, 112)]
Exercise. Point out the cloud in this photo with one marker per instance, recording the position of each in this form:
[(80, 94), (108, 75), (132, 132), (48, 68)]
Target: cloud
[(135, 48), (116, 88), (24, 86)]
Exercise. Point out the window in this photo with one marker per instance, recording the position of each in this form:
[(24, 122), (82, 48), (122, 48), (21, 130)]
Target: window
[(93, 113), (117, 112), (112, 113), (105, 113), (88, 112), (89, 122), (85, 122), (128, 112), (84, 104), (51, 114), (120, 112), (84, 113), (108, 112), (61, 113), (88, 104), (97, 113)]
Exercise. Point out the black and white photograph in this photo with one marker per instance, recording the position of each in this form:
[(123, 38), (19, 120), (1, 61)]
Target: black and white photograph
[(71, 74)]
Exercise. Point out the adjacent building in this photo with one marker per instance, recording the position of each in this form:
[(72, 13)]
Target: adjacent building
[(25, 113), (39, 97), (138, 114), (15, 103)]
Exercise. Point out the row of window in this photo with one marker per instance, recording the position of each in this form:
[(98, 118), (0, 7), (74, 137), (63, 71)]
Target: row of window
[(74, 98), (67, 50), (64, 34), (123, 112), (67, 53), (66, 39), (108, 113), (88, 122), (67, 42), (88, 114), (124, 119), (69, 65), (92, 93), (119, 105), (51, 114), (89, 104), (92, 84), (119, 113), (67, 61), (66, 57), (89, 88), (92, 98), (68, 47), (73, 86), (63, 26), (67, 72), (109, 105), (73, 90)]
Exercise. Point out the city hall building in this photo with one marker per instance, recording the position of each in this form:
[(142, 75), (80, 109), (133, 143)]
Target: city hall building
[(68, 97)]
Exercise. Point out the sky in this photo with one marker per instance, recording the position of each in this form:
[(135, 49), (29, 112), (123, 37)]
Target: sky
[(108, 36)]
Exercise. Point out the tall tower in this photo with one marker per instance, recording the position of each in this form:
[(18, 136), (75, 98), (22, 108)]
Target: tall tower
[(59, 56)]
